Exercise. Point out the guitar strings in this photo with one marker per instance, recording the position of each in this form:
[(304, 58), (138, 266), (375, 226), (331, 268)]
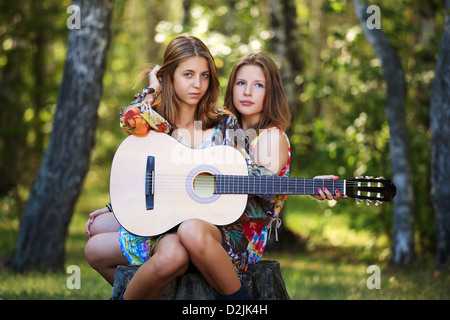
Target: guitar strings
[(262, 180), (308, 180), (174, 179), (174, 182)]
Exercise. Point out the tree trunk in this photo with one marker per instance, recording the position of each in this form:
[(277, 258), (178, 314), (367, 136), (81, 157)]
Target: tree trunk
[(403, 237), (286, 47), (262, 280), (187, 5), (440, 147), (154, 9), (48, 211)]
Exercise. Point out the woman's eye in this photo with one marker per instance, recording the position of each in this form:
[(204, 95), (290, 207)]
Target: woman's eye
[(260, 85), (240, 83), (205, 75), (188, 75)]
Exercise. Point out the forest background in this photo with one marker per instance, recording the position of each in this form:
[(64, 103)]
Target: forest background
[(336, 80)]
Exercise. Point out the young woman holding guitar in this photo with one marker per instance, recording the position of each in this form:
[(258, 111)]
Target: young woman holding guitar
[(256, 96)]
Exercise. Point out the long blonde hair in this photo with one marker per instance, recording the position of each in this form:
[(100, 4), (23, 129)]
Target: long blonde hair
[(179, 49), (276, 110)]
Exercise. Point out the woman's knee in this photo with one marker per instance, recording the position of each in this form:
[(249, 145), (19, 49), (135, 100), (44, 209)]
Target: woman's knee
[(93, 252), (104, 223), (171, 259), (104, 250), (195, 235)]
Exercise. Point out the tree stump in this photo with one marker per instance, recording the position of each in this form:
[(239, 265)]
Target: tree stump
[(262, 280)]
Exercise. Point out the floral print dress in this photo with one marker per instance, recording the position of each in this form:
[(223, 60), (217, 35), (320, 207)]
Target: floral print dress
[(258, 230)]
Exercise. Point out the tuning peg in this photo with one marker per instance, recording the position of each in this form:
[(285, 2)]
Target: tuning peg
[(378, 202), (358, 201), (368, 202), (380, 178), (369, 177)]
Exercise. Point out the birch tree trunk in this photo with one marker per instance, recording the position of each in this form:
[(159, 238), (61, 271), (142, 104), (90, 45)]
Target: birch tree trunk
[(440, 147), (403, 237), (44, 222)]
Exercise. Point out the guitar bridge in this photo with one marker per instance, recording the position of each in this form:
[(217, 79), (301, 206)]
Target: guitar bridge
[(149, 182)]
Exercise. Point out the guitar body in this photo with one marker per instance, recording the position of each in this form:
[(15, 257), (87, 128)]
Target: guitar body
[(181, 187)]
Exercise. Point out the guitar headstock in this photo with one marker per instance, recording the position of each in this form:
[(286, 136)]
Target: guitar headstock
[(371, 189)]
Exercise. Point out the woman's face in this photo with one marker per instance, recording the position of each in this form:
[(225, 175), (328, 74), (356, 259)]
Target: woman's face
[(191, 80), (249, 90)]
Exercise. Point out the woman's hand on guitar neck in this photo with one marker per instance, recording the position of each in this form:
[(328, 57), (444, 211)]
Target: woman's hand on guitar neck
[(325, 193)]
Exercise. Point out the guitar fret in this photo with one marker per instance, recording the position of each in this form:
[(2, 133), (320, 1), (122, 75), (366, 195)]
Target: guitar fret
[(273, 183), (280, 185), (232, 183), (261, 185), (258, 186)]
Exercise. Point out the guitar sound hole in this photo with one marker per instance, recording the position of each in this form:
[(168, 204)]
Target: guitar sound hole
[(204, 185)]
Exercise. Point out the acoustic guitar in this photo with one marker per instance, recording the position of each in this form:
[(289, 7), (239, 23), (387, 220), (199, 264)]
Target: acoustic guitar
[(157, 182)]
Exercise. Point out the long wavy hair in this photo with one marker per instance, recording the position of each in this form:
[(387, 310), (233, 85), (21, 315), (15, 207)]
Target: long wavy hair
[(179, 49), (276, 110)]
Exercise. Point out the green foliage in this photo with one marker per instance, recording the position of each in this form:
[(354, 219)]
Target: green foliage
[(344, 129)]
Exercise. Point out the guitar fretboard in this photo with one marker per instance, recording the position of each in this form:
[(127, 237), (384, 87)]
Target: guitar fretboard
[(231, 184)]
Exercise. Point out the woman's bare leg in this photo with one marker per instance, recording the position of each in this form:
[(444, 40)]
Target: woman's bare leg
[(203, 242), (104, 254), (104, 223), (168, 261)]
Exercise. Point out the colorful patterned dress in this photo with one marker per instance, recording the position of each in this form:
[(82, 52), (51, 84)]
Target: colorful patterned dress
[(138, 122), (258, 230)]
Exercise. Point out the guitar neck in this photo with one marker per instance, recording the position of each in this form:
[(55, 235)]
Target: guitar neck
[(231, 184)]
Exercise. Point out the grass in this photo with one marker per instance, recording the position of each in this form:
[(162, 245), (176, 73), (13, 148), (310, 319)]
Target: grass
[(332, 264), (321, 276)]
